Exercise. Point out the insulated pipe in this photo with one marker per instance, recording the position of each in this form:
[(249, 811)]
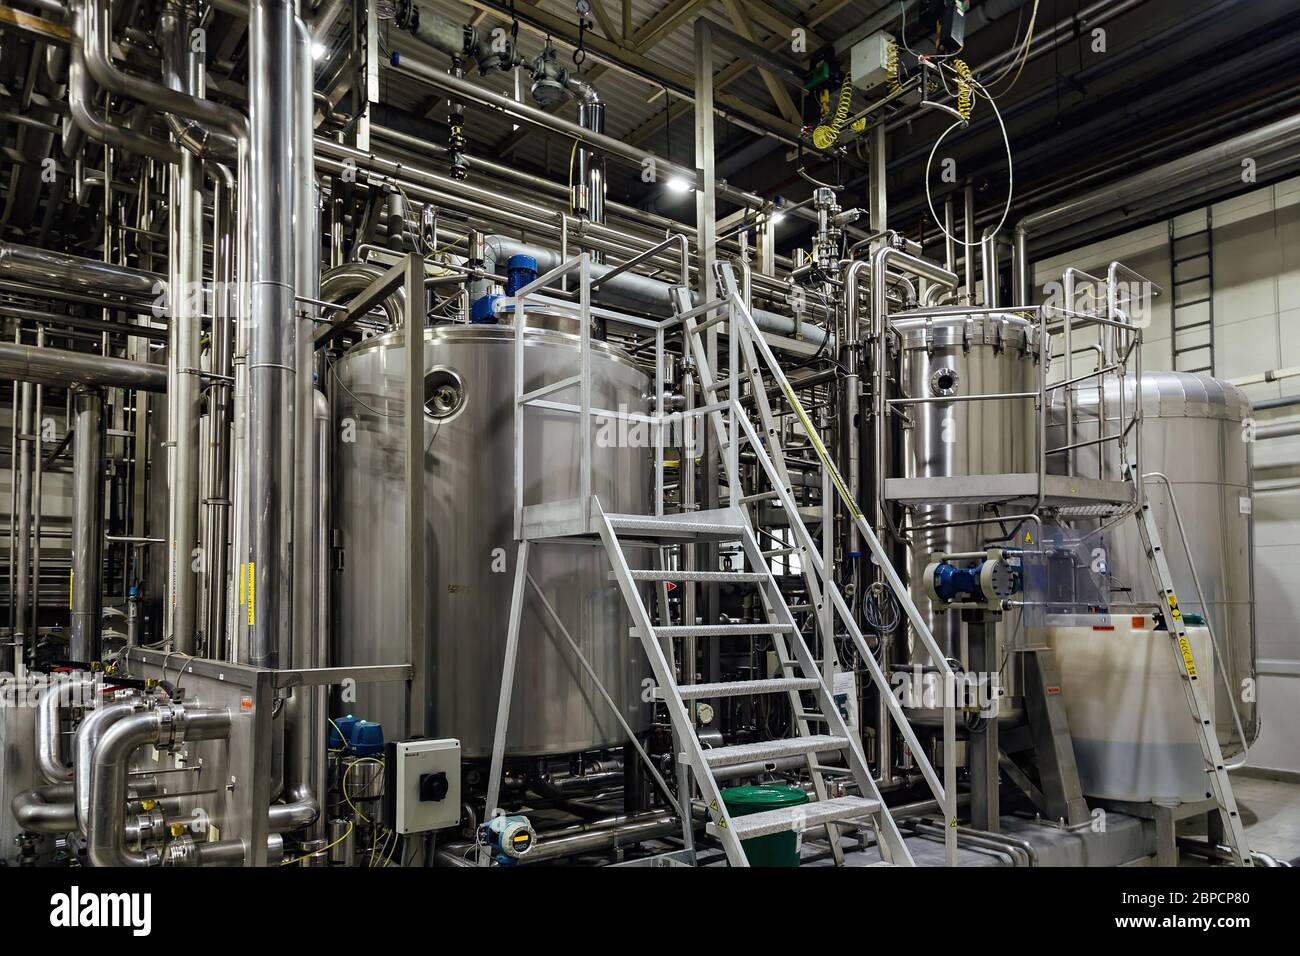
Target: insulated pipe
[(47, 809), (88, 468), (1223, 156), (84, 744), (50, 366), (163, 727), (49, 756), (635, 291), (305, 714), (58, 270), (271, 351)]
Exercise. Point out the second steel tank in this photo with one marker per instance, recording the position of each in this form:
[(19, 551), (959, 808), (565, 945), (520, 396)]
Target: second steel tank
[(951, 354), (1194, 432), (470, 546)]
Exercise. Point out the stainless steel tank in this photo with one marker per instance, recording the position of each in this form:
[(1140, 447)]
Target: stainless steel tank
[(470, 544), (1193, 433), (955, 353)]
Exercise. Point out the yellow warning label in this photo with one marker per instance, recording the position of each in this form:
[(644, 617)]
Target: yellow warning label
[(1029, 538), (252, 596), (241, 582), (1185, 647), (1172, 598), (71, 573)]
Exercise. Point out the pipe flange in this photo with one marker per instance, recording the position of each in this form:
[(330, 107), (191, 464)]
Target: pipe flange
[(171, 725), (181, 851)]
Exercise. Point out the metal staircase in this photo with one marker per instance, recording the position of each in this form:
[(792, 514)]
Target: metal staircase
[(817, 729)]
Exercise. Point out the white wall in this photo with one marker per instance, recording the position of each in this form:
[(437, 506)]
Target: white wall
[(1256, 328)]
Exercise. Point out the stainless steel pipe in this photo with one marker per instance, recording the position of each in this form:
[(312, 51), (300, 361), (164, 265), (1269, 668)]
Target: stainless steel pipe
[(51, 366), (163, 726), (88, 469)]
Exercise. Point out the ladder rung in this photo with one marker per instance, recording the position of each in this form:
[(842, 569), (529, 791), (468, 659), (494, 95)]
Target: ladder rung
[(743, 688), (813, 715), (780, 552), (761, 496), (740, 576), (773, 749), (803, 817), (721, 630), (842, 771)]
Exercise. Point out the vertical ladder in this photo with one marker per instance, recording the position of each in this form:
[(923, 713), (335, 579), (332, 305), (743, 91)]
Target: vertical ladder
[(1191, 269), (1220, 786), (799, 676)]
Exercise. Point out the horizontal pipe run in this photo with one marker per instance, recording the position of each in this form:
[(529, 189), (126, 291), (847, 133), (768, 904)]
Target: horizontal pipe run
[(48, 366)]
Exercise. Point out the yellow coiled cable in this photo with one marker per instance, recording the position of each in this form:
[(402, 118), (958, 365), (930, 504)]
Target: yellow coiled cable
[(826, 135), (965, 92)]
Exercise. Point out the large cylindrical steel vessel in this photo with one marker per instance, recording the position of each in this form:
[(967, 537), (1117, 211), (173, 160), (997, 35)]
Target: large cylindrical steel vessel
[(1193, 433), (957, 353), (470, 545)]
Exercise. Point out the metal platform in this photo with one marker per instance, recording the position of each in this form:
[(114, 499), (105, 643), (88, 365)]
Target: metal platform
[(1020, 488)]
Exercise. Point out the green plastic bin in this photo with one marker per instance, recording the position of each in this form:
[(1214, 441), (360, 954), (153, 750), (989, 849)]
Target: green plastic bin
[(775, 849)]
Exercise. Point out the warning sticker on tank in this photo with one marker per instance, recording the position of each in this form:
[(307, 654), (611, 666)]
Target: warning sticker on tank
[(1185, 647)]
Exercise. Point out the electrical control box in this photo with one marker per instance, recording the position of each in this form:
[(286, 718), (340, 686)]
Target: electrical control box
[(869, 61), (422, 786)]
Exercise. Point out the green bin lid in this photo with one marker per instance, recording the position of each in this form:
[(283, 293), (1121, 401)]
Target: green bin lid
[(768, 797)]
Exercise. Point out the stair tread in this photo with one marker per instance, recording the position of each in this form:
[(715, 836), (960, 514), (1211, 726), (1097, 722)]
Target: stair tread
[(739, 688), (771, 749), (803, 817), (721, 630), (721, 522), (698, 576)]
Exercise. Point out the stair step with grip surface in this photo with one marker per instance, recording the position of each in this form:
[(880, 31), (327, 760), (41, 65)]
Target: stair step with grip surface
[(803, 817), (773, 749), (741, 688), (721, 630)]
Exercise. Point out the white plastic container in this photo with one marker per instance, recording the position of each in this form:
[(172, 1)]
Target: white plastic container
[(1133, 731)]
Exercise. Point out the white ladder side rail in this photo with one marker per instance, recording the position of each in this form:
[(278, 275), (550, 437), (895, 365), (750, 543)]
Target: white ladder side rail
[(1206, 732)]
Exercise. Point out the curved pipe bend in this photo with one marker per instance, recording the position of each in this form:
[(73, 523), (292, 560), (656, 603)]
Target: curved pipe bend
[(46, 809), (49, 757), (162, 726)]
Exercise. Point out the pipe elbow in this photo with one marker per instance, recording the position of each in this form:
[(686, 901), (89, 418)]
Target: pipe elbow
[(300, 811), (46, 809)]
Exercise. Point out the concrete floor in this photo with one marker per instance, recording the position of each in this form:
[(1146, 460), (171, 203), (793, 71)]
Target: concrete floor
[(1271, 811), (1269, 808)]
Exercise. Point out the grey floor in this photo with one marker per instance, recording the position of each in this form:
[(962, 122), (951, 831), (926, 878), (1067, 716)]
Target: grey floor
[(1271, 811)]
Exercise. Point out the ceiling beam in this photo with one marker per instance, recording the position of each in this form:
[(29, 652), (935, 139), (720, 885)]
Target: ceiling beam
[(780, 96)]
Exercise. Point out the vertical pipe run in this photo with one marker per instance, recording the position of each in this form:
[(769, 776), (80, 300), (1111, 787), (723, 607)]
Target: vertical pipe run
[(87, 523), (271, 420), (22, 576), (305, 712), (181, 73)]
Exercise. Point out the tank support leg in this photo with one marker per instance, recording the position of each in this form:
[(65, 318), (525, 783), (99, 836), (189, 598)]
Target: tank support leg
[(507, 690)]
